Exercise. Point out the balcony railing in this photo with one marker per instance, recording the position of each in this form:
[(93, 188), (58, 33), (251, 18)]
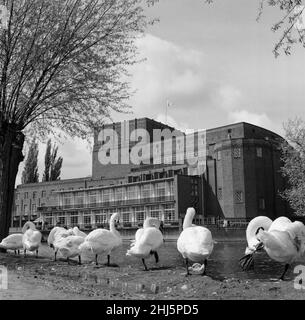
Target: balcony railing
[(107, 204), (123, 225)]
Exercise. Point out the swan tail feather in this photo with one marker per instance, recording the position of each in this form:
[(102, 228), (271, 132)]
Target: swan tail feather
[(247, 262)]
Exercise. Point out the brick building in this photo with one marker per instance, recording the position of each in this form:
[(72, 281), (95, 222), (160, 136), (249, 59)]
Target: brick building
[(241, 179)]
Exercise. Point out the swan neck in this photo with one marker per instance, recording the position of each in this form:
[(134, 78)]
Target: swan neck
[(188, 219), (28, 225)]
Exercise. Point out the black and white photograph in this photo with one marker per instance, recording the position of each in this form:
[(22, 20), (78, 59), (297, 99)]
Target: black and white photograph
[(152, 150)]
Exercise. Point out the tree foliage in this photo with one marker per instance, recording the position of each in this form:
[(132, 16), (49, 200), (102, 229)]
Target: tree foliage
[(293, 156), (30, 171), (53, 163), (63, 62)]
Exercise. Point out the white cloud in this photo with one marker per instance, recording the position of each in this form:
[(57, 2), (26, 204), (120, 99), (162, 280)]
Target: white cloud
[(261, 119), (229, 97), (169, 72)]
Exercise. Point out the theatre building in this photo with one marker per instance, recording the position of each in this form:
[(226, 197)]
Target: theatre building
[(239, 179)]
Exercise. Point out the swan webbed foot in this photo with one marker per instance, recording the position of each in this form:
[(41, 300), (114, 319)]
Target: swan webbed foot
[(79, 260), (285, 270), (108, 260), (15, 252), (18, 252), (55, 255)]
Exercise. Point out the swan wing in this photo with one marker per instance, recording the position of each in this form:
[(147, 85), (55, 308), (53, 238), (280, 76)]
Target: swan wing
[(102, 239), (195, 243), (280, 224), (13, 241), (151, 237)]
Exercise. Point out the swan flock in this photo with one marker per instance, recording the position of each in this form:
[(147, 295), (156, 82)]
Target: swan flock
[(282, 240)]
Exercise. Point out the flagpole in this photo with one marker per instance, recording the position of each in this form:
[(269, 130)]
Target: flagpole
[(166, 112)]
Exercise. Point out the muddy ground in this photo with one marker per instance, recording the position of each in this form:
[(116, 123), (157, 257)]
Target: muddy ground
[(42, 278)]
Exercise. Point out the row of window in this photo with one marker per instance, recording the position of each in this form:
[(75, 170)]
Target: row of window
[(160, 189), (128, 215), (34, 195), (239, 198), (237, 153)]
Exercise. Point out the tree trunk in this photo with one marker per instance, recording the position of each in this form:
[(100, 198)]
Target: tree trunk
[(11, 144)]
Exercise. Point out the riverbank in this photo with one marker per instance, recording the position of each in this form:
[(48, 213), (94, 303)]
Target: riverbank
[(42, 278)]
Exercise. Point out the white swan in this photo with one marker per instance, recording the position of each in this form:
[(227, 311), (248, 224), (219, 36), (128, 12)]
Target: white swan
[(147, 240), (77, 232), (55, 236), (31, 239), (69, 247), (12, 242), (254, 226), (195, 243), (102, 241), (283, 241)]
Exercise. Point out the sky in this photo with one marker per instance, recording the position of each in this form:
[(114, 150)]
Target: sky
[(215, 65)]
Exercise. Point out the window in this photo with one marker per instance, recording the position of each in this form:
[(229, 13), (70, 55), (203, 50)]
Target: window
[(132, 193), (34, 195), (79, 198), (67, 199), (43, 194), (119, 194), (160, 189), (194, 187), (26, 195), (74, 219), (219, 194), (262, 205), (259, 152), (92, 197), (139, 211), (62, 220), (125, 215), (218, 155), (25, 209), (155, 212), (33, 208), (17, 196), (236, 152), (238, 196), (171, 188), (169, 213), (87, 219), (106, 195), (147, 191)]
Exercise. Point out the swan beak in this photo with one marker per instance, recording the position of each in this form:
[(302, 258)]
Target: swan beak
[(259, 246)]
